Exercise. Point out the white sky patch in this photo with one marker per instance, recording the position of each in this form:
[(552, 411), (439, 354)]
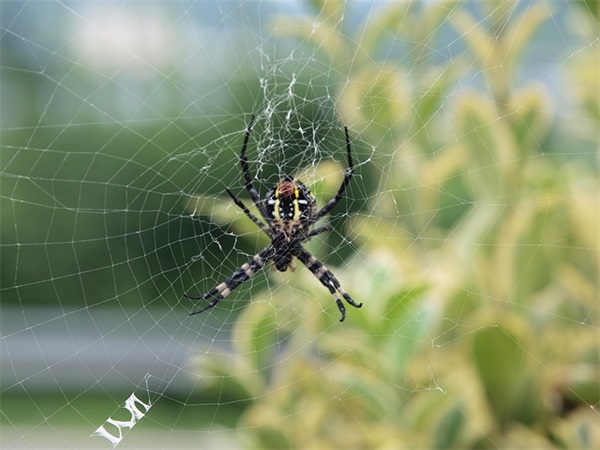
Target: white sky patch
[(113, 36)]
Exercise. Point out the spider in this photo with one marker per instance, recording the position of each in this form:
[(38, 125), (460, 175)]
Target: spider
[(290, 211)]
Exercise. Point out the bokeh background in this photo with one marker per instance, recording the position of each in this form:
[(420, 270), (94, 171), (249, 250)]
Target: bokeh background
[(471, 231)]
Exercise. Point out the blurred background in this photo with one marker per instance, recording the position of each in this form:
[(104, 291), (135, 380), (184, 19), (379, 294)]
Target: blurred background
[(470, 232)]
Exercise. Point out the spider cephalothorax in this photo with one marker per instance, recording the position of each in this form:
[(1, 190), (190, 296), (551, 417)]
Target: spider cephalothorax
[(290, 211)]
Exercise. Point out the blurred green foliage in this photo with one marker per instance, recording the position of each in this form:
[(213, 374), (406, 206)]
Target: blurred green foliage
[(477, 248), (478, 259)]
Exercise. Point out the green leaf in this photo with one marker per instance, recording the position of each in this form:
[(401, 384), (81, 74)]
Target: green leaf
[(500, 361), (331, 11), (449, 428), (257, 335)]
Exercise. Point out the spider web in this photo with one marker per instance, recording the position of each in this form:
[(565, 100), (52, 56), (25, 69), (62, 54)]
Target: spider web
[(470, 230)]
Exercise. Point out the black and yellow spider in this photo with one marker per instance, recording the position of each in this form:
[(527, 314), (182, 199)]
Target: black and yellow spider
[(290, 211)]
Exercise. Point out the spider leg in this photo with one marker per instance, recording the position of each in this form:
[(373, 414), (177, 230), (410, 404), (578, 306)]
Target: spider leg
[(316, 231), (241, 274), (327, 279), (347, 177), (251, 216), (247, 177)]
